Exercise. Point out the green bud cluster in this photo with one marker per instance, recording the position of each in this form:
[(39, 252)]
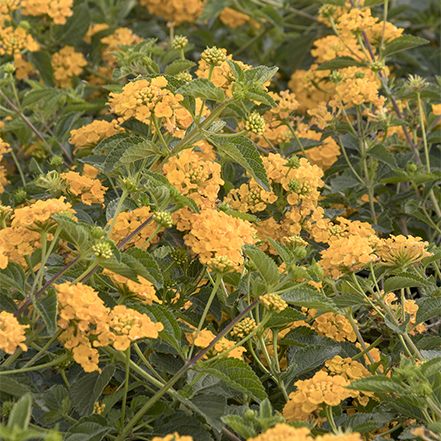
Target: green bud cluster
[(163, 218), (179, 42), (255, 124), (213, 56), (103, 249)]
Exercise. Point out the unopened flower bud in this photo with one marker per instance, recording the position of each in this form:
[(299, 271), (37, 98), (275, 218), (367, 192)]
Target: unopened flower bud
[(335, 76), (416, 83), (255, 124), (273, 302), (128, 184), (19, 196), (103, 249), (179, 255), (163, 218), (179, 42), (293, 162), (376, 66), (213, 56), (56, 160), (221, 264), (97, 232), (8, 68), (327, 11), (184, 76), (244, 328)]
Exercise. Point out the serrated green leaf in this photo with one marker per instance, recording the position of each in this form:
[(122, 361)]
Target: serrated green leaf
[(13, 276), (142, 150), (149, 264), (340, 63), (179, 66), (242, 150), (90, 428), (403, 281), (172, 332), (88, 388), (341, 183), (20, 415), (431, 367), (403, 43), (260, 97), (202, 88), (76, 26), (14, 388), (382, 154), (427, 308), (238, 425), (237, 374), (266, 266), (236, 70), (57, 401), (136, 126), (240, 215), (309, 297), (261, 74), (74, 232), (212, 407), (284, 252), (47, 306), (347, 300), (184, 424), (377, 384), (287, 316), (42, 62), (308, 358)]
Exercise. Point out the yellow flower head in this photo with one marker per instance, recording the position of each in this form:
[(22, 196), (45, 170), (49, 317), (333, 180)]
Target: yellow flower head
[(121, 37), (12, 41), (214, 233), (322, 389), (402, 251), (284, 432), (334, 326), (58, 10), (66, 63), (90, 190), (175, 11), (12, 334), (243, 328), (173, 437), (93, 133), (273, 302), (143, 99)]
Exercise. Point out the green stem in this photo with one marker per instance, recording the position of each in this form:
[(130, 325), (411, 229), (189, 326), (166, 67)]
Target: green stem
[(151, 236), (54, 362), (207, 308), (43, 349), (330, 418), (84, 273), (144, 360), (423, 131), (126, 386), (125, 193), (18, 167), (349, 162)]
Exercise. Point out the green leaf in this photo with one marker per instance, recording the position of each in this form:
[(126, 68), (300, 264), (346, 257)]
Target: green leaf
[(57, 400), (284, 252), (212, 407), (308, 358), (143, 150), (382, 154), (377, 383), (88, 388), (42, 62), (309, 297), (261, 74), (242, 150), (260, 97), (236, 374), (136, 126), (13, 387), (184, 424), (239, 426), (149, 264), (47, 306), (427, 308), (75, 27), (21, 413), (403, 43), (179, 66), (266, 266), (403, 281), (202, 88), (13, 276), (236, 70), (431, 367), (90, 428), (341, 183), (340, 63), (74, 232), (171, 333), (333, 2), (287, 316), (349, 299)]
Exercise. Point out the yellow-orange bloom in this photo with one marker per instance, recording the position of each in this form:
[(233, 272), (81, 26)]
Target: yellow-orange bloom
[(284, 432), (12, 334)]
